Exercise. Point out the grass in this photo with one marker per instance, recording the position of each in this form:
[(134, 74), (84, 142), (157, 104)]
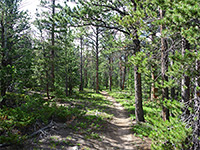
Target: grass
[(86, 112)]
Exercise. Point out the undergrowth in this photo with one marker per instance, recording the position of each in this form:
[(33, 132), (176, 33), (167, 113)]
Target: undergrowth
[(16, 122), (83, 112)]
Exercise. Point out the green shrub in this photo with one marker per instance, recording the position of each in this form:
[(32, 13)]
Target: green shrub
[(171, 135), (15, 121)]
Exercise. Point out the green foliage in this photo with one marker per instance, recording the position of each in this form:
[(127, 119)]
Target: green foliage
[(141, 61), (34, 109), (184, 64), (142, 129), (169, 135), (182, 17), (23, 66), (15, 48)]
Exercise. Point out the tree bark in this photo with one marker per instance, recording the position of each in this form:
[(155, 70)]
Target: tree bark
[(139, 113), (66, 81), (120, 71), (47, 85), (70, 87), (106, 80), (81, 69), (3, 85), (197, 80), (53, 44), (185, 87), (164, 67), (196, 127), (86, 77), (153, 88), (173, 91), (124, 76), (97, 59), (5, 60), (110, 72)]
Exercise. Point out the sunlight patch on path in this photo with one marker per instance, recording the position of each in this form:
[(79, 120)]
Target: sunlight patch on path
[(121, 135)]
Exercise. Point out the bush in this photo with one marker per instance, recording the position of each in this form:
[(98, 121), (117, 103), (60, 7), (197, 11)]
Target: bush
[(14, 122), (169, 135)]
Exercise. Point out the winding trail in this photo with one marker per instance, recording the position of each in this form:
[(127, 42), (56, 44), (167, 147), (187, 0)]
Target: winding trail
[(115, 135), (121, 136)]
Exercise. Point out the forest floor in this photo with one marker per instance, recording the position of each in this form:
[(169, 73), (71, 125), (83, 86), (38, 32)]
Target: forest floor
[(105, 126)]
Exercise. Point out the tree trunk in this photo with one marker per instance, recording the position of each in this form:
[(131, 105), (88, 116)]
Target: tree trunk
[(164, 67), (4, 62), (66, 85), (110, 72), (196, 127), (47, 85), (124, 77), (3, 86), (85, 70), (106, 76), (81, 69), (86, 78), (197, 80), (138, 96), (173, 92), (97, 59), (53, 44), (70, 86), (139, 113), (153, 88), (120, 72), (185, 87)]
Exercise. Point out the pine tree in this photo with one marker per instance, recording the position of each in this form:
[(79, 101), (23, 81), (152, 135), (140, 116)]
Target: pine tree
[(14, 39)]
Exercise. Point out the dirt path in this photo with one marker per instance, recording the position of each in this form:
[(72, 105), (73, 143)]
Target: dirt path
[(121, 136), (116, 134)]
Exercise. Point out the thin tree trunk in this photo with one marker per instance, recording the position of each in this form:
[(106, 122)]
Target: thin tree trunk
[(197, 80), (47, 74), (153, 88), (86, 77), (173, 91), (124, 77), (138, 96), (110, 72), (4, 62), (47, 85), (66, 85), (97, 59), (139, 113), (196, 127), (53, 44), (70, 86), (164, 66), (128, 74), (120, 72), (81, 69), (85, 70), (185, 87), (3, 86)]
